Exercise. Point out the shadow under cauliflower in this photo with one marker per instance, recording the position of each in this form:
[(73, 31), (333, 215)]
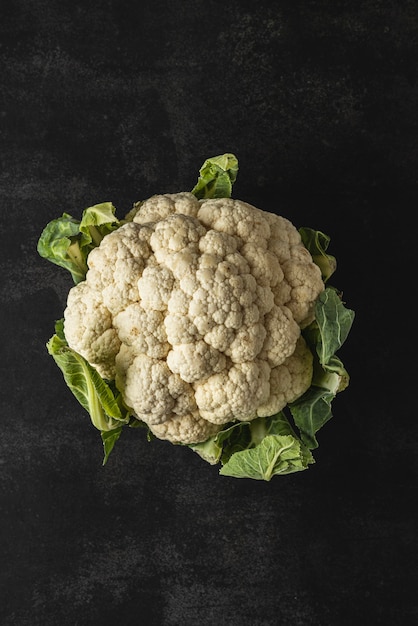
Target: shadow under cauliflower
[(195, 309)]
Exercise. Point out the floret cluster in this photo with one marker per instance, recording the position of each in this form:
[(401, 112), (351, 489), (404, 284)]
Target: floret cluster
[(195, 309)]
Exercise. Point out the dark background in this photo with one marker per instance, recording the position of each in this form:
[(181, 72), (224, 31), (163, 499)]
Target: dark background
[(116, 101)]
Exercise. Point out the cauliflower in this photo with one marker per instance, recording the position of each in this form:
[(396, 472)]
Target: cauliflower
[(204, 319), (195, 309)]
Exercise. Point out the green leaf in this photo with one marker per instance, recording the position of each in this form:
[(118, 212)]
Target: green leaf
[(332, 376), (95, 395), (275, 454), (324, 336), (310, 412), (67, 242), (58, 244), (233, 438), (317, 244), (109, 438), (242, 437), (96, 222), (334, 322), (217, 175), (209, 450)]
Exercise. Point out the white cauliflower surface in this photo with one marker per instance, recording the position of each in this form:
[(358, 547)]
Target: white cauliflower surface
[(195, 309)]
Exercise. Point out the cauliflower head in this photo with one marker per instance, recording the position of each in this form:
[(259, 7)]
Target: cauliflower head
[(195, 309)]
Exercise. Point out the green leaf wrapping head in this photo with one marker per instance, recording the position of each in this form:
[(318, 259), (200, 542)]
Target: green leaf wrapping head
[(217, 175), (259, 449), (317, 243), (96, 396), (67, 242)]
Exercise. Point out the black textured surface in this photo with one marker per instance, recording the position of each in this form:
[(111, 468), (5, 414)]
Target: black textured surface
[(116, 101)]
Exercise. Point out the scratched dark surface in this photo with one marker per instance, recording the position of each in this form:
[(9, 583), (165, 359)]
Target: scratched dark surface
[(116, 101)]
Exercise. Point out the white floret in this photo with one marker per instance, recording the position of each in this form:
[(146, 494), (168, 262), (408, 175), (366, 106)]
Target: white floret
[(282, 333), (305, 281), (116, 265), (98, 343), (180, 329), (155, 287), (247, 343), (175, 243), (150, 387), (185, 429), (159, 207), (289, 380), (265, 266), (218, 243), (234, 394), (195, 361), (236, 218), (143, 329)]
